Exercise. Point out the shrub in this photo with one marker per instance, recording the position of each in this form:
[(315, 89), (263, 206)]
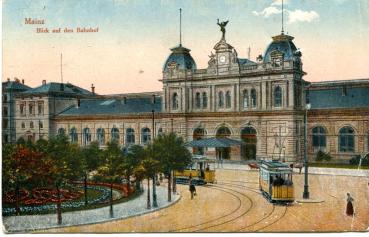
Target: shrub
[(322, 156), (356, 159)]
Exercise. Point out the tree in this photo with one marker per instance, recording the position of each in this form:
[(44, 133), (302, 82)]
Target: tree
[(91, 160), (112, 167), (65, 161), (21, 166), (151, 166), (132, 159), (172, 155)]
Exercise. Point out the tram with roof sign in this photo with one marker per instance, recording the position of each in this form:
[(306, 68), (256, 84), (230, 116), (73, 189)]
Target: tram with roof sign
[(275, 181), (201, 171)]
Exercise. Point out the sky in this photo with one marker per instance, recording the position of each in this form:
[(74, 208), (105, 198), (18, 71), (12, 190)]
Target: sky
[(135, 36)]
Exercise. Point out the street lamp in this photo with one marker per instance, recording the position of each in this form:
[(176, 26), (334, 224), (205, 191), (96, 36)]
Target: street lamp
[(305, 195), (154, 199)]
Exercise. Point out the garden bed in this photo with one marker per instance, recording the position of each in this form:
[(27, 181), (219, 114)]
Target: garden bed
[(98, 196)]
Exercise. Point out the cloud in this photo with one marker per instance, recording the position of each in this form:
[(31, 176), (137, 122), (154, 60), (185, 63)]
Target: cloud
[(302, 16), (293, 16), (279, 2), (267, 12)]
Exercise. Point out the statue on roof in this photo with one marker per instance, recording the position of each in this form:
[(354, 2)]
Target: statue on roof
[(222, 27)]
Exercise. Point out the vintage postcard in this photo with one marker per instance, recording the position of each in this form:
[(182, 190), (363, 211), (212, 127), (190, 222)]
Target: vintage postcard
[(206, 116)]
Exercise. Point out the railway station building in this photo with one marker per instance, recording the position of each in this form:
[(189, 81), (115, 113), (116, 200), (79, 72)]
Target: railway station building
[(262, 103)]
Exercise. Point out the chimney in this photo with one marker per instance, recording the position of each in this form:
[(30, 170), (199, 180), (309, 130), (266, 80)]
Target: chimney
[(43, 82), (8, 79), (23, 81), (16, 79), (93, 89)]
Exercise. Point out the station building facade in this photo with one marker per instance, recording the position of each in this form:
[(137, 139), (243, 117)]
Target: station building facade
[(261, 102)]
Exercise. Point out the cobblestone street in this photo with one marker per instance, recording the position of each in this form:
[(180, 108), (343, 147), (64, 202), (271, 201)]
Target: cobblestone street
[(234, 204)]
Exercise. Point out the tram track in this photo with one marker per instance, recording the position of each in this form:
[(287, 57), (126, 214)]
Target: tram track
[(229, 191), (215, 219), (265, 217), (235, 218)]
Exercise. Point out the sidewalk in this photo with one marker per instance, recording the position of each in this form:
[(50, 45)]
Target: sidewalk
[(124, 210), (312, 170)]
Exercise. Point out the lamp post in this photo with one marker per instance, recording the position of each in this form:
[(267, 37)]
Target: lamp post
[(154, 199), (305, 195)]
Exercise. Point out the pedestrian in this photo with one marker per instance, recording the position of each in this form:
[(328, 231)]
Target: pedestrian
[(192, 189), (349, 207)]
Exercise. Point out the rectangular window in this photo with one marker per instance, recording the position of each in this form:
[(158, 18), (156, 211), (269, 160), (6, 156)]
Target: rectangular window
[(22, 109), (31, 109), (40, 108), (41, 124)]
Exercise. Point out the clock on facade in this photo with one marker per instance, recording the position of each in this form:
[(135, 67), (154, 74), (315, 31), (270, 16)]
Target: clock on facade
[(222, 59)]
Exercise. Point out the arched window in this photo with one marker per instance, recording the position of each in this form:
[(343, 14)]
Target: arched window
[(114, 134), (160, 131), (198, 100), (223, 132), (61, 131), (145, 135), (319, 138), (23, 125), (220, 99), (175, 101), (245, 99), (73, 135), (253, 98), (100, 132), (277, 96), (86, 136), (204, 100), (31, 124), (346, 139), (130, 136), (228, 99)]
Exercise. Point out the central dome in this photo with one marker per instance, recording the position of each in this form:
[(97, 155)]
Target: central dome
[(282, 43), (180, 58)]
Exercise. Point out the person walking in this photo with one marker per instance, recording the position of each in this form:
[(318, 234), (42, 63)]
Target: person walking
[(349, 206), (192, 187), (192, 190)]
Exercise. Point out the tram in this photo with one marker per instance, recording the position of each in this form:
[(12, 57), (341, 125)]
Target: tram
[(275, 181), (199, 170)]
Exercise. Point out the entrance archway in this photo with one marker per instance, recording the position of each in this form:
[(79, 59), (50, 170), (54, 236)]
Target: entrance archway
[(224, 152), (198, 133), (248, 149)]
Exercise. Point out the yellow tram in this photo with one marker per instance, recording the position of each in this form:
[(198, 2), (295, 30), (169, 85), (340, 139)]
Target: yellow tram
[(275, 181), (201, 171)]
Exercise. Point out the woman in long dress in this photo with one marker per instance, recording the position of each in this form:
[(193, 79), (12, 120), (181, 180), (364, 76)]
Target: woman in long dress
[(349, 207)]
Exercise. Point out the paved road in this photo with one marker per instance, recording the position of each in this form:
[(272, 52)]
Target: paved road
[(234, 204)]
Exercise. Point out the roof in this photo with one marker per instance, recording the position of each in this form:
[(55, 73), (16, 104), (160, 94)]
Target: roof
[(339, 97), (282, 43), (181, 58), (55, 87), (114, 106), (15, 85), (245, 61), (271, 164), (214, 142)]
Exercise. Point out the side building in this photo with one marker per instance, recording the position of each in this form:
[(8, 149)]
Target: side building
[(9, 91), (36, 109)]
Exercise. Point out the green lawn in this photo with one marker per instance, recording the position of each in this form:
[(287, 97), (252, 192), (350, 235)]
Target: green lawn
[(342, 166)]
